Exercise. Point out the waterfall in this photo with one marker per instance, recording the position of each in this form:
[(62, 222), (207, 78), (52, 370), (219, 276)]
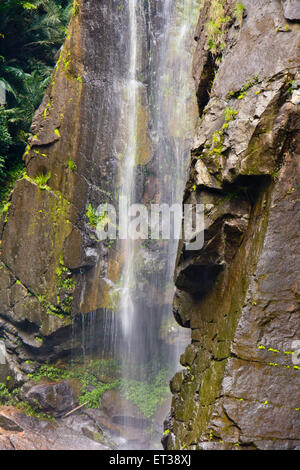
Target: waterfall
[(150, 112), (166, 91), (127, 307)]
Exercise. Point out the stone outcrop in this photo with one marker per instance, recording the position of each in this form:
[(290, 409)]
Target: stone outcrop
[(21, 432), (240, 293), (54, 398)]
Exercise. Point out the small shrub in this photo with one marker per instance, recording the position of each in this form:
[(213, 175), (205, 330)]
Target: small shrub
[(238, 11), (72, 165), (42, 179), (216, 27), (33, 412), (95, 218), (93, 397), (147, 396), (5, 395), (240, 94), (230, 114)]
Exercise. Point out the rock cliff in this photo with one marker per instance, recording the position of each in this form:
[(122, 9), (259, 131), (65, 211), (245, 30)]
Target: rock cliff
[(50, 258), (240, 293)]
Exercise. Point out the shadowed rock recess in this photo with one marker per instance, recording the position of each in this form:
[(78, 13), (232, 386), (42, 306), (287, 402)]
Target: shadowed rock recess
[(239, 295)]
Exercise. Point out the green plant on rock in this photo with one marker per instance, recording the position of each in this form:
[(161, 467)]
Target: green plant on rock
[(67, 61), (64, 275), (15, 172), (93, 398), (94, 218), (216, 143), (230, 114), (90, 375), (238, 11), (5, 210), (5, 395), (98, 376), (293, 86), (146, 396), (239, 94), (216, 27), (71, 164), (5, 139), (49, 371), (214, 147), (49, 308), (42, 179), (33, 412)]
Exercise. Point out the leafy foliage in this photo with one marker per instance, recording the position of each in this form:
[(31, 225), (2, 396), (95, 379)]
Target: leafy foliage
[(71, 164), (42, 180), (98, 376), (5, 395), (89, 374), (242, 92), (93, 397), (216, 27), (238, 11), (147, 396), (32, 411), (30, 36), (230, 114)]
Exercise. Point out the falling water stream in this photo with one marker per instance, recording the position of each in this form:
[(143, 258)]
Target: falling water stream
[(128, 171), (157, 115), (167, 94)]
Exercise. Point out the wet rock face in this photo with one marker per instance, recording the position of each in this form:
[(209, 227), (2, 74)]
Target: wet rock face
[(240, 293), (50, 258)]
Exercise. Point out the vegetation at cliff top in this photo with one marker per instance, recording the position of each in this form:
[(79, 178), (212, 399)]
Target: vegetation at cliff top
[(238, 11), (30, 36), (218, 23), (216, 26)]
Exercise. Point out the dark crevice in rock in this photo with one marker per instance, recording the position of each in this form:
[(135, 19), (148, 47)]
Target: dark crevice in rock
[(205, 86), (230, 419), (197, 280)]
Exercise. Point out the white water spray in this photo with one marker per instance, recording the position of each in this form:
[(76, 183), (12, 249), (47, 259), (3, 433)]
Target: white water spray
[(128, 172)]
